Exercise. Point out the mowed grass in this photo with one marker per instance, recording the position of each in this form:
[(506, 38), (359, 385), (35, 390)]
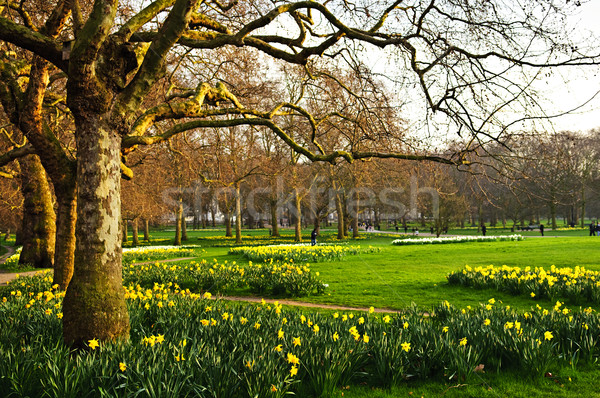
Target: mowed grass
[(398, 276), (567, 383)]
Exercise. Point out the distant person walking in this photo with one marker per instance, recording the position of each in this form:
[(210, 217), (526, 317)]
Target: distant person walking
[(483, 230), (542, 229), (313, 237), (592, 228)]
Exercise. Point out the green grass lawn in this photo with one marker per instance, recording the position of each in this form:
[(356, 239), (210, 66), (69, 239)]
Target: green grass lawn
[(398, 276), (567, 383), (2, 250)]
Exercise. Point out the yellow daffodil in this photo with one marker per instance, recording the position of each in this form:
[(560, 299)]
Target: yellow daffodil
[(93, 343), (291, 358)]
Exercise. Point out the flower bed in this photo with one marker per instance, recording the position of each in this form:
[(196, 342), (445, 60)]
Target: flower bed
[(188, 344), (578, 284), (150, 253), (273, 279), (456, 239), (298, 252), (266, 240)]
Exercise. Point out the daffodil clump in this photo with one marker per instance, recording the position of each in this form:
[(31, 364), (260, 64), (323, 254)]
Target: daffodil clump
[(579, 285), (150, 253), (184, 343), (456, 239), (298, 252), (271, 278), (262, 240), (12, 262)]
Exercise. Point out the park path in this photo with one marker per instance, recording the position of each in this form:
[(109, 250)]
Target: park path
[(9, 276)]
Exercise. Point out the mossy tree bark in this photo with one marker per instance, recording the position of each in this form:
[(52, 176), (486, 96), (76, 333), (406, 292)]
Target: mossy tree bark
[(38, 230), (64, 253), (94, 305)]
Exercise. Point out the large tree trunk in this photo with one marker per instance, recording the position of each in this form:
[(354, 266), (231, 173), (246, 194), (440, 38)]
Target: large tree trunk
[(238, 216), (94, 306), (64, 253), (38, 230)]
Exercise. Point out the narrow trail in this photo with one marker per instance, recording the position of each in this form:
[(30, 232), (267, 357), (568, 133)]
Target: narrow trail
[(9, 252), (6, 277), (304, 304)]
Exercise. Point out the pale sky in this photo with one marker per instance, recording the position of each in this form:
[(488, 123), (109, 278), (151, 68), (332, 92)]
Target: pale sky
[(582, 85), (564, 90)]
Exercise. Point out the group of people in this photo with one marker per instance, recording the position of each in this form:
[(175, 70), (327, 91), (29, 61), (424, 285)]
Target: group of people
[(595, 228)]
